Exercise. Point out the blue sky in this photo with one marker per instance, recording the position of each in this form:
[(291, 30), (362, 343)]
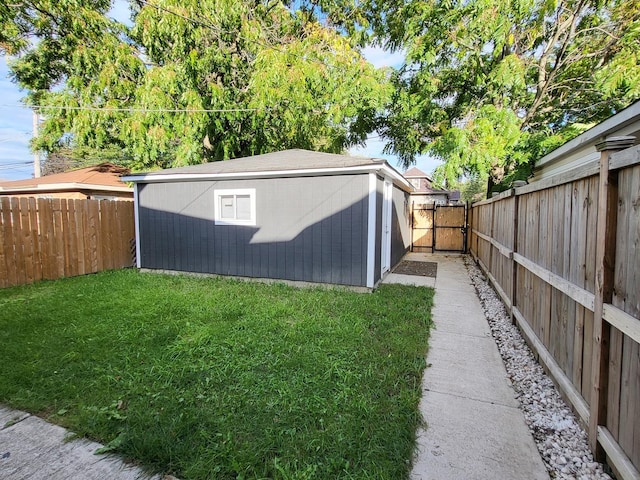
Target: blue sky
[(16, 161)]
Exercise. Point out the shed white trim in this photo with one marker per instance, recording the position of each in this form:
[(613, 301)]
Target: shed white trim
[(371, 230), (136, 218), (385, 222), (398, 179)]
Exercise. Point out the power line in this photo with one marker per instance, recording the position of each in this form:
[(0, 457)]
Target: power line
[(137, 110), (17, 167), (16, 163)]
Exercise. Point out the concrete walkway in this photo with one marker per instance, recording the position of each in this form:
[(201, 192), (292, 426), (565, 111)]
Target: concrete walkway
[(33, 449), (474, 429)]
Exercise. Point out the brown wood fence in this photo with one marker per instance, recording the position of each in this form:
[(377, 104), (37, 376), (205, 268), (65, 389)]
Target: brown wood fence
[(564, 255), (49, 238), (438, 228)]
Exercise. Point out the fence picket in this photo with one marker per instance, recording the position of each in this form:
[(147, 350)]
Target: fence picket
[(35, 237), (5, 230), (18, 248), (27, 240)]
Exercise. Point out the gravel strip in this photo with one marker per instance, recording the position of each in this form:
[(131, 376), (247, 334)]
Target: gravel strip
[(561, 440)]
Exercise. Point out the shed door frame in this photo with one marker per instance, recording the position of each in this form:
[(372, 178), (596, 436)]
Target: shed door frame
[(387, 206)]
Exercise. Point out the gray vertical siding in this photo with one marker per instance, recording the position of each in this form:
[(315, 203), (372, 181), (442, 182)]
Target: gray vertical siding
[(400, 226), (307, 228)]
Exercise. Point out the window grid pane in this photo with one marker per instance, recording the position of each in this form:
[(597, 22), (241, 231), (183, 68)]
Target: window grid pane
[(243, 207), (235, 207), (227, 207)]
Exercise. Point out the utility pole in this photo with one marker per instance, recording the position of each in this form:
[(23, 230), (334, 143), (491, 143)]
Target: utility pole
[(36, 154)]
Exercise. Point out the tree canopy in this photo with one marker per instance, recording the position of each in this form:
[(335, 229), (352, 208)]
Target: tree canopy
[(190, 80), (492, 84), (488, 85)]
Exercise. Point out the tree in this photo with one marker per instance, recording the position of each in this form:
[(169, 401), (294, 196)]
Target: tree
[(190, 81), (65, 159), (491, 85), (473, 189)]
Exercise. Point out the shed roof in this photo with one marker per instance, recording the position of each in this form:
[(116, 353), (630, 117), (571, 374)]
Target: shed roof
[(286, 163), (296, 159)]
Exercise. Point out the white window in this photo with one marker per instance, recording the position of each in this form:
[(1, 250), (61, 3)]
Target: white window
[(235, 207)]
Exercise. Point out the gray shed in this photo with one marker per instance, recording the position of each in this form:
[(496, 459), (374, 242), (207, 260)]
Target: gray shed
[(292, 215)]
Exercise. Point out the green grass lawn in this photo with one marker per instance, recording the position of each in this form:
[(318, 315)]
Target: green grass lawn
[(222, 379)]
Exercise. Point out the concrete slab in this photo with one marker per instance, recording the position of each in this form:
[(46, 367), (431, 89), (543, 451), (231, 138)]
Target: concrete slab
[(474, 427), (34, 449), (416, 280), (469, 439), (459, 326), (9, 417), (465, 302), (468, 366)]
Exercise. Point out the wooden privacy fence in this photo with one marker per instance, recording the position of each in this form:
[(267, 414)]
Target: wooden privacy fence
[(49, 238), (564, 255)]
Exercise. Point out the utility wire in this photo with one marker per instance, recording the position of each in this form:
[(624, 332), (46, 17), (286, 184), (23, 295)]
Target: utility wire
[(16, 167), (15, 163), (133, 109), (158, 110)]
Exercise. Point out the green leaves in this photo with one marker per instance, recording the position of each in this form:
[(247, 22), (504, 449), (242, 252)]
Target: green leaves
[(197, 81), (505, 74)]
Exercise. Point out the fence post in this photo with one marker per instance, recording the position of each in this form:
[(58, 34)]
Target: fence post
[(605, 266), (514, 264), (491, 230), (468, 222), (411, 224)]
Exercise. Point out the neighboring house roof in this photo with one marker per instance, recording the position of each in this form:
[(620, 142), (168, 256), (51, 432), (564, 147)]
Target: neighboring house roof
[(582, 150), (414, 172), (425, 187), (286, 163), (103, 177)]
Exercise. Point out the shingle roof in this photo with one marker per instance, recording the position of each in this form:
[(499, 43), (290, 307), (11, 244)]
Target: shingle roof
[(277, 161), (104, 175), (415, 173)]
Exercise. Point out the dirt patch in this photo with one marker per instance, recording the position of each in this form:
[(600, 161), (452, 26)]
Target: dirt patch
[(424, 269)]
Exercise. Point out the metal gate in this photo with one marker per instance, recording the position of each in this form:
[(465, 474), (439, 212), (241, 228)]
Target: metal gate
[(439, 228)]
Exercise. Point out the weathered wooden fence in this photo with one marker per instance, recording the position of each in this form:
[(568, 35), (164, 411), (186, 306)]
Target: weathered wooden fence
[(438, 228), (564, 255), (52, 238)]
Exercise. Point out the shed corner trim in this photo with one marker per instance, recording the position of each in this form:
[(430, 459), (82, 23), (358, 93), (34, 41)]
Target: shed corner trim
[(371, 230)]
